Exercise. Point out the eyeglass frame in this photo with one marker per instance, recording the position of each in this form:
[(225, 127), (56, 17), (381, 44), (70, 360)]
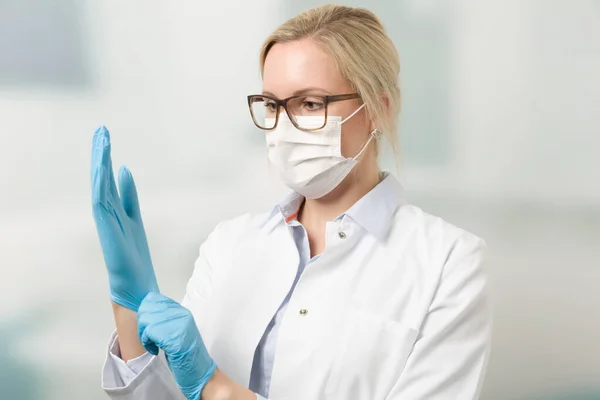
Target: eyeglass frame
[(283, 103)]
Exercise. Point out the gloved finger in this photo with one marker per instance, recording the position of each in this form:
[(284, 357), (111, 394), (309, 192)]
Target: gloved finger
[(153, 301), (99, 141), (150, 315), (146, 317), (152, 310), (103, 181), (129, 196), (148, 341), (100, 185), (166, 327)]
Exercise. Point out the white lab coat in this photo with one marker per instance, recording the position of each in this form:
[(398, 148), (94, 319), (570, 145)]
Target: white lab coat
[(399, 315)]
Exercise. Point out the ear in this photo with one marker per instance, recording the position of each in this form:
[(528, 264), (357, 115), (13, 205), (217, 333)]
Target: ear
[(385, 100)]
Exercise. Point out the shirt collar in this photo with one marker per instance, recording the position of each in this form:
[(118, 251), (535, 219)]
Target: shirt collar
[(373, 211), (289, 207)]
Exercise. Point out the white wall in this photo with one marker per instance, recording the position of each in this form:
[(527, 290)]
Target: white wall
[(527, 95)]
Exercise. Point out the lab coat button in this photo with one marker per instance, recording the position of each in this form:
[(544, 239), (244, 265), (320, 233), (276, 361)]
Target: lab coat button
[(303, 312), (341, 235)]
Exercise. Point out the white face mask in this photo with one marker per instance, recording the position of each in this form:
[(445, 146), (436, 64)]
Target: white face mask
[(311, 163)]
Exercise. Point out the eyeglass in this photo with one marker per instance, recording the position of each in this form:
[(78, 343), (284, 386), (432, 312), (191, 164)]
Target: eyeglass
[(265, 110)]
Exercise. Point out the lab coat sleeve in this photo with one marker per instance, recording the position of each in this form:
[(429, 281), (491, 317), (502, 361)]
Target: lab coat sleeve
[(144, 378), (123, 372), (450, 356)]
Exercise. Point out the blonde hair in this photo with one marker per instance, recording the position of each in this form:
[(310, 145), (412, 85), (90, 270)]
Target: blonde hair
[(362, 51)]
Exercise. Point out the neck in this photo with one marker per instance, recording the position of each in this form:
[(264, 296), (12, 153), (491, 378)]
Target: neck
[(315, 212)]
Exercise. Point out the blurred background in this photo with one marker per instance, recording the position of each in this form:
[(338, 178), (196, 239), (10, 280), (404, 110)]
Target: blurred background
[(500, 136)]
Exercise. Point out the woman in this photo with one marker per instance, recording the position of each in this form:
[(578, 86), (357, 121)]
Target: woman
[(342, 291)]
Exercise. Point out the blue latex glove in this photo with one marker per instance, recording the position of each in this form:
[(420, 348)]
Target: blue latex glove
[(120, 228), (166, 324)]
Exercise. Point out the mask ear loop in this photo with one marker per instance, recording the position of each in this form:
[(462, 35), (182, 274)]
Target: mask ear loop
[(376, 134), (354, 113)]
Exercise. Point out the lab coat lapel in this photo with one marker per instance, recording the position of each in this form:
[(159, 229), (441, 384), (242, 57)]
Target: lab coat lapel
[(247, 302)]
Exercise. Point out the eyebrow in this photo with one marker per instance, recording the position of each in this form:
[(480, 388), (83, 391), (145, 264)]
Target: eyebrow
[(308, 90)]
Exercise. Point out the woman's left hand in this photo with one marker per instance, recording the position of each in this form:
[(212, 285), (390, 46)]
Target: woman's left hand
[(166, 324)]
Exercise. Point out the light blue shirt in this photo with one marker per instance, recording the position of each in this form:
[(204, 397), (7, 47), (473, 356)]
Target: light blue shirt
[(368, 211)]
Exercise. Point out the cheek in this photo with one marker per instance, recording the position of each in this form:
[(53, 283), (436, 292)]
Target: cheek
[(355, 133)]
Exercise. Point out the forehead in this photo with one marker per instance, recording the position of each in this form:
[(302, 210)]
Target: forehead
[(294, 66)]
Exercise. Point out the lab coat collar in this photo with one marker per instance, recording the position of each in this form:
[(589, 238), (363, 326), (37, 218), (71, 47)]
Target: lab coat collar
[(373, 211)]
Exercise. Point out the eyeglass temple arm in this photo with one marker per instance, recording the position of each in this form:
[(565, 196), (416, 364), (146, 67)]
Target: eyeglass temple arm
[(341, 97)]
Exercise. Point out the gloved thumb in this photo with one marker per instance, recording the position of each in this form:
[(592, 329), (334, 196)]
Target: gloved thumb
[(128, 194), (148, 343)]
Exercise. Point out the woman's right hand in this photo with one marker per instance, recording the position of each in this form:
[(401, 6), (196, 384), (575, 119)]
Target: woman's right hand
[(120, 228)]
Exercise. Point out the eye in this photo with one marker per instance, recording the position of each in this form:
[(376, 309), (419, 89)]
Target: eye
[(312, 104), (270, 105)]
